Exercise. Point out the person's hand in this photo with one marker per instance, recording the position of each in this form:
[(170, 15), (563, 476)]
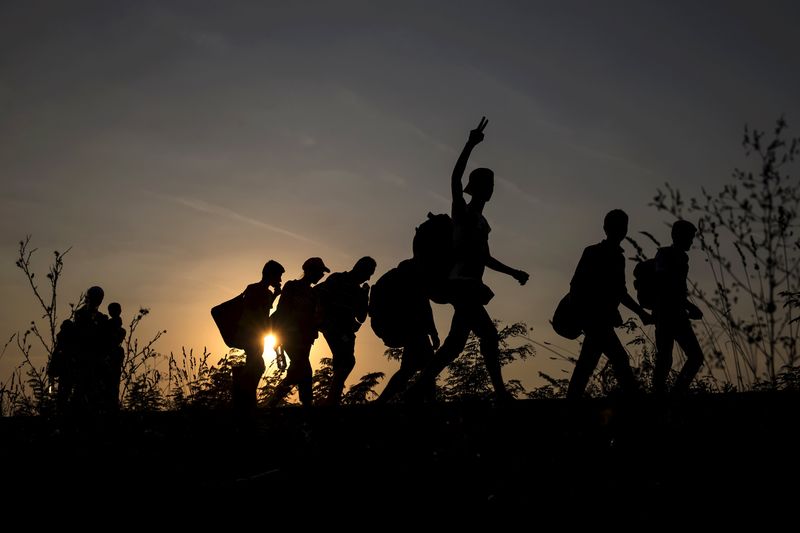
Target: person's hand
[(646, 318), (521, 276), (280, 357), (435, 342), (694, 312), (276, 288), (476, 135), (365, 287)]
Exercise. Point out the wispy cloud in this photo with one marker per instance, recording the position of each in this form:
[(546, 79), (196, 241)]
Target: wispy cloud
[(518, 192), (404, 184), (425, 137), (393, 179), (205, 207), (351, 97), (308, 141), (619, 160), (439, 198)]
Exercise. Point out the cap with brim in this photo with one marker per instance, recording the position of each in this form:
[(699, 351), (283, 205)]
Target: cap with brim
[(315, 264), (482, 178)]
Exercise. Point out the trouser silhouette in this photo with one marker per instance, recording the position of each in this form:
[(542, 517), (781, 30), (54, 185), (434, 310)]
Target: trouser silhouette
[(599, 340), (417, 352), (342, 345), (667, 333), (298, 373), (467, 316), (247, 377)]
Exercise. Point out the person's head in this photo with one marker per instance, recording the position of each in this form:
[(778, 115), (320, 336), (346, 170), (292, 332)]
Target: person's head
[(271, 273), (481, 184), (616, 225), (314, 269), (94, 296), (114, 310), (683, 233), (364, 269)]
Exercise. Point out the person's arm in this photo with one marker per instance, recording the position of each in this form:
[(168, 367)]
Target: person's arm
[(432, 332), (694, 312), (475, 137), (520, 275), (628, 301), (284, 306), (363, 303)]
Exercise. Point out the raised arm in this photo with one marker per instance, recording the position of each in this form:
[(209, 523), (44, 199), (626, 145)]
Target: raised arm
[(475, 137)]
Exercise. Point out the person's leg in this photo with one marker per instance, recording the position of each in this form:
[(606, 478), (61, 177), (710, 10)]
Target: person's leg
[(585, 365), (294, 374), (687, 340), (254, 365), (64, 392), (416, 353), (342, 345), (303, 376), (620, 362), (483, 327), (450, 349), (453, 345), (665, 340)]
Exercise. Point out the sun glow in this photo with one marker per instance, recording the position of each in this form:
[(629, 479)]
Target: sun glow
[(270, 341)]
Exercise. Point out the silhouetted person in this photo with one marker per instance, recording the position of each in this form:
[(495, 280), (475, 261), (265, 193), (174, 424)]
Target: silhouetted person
[(91, 353), (115, 335), (344, 301), (673, 311), (63, 365), (413, 327), (466, 290), (253, 326), (296, 321), (596, 290)]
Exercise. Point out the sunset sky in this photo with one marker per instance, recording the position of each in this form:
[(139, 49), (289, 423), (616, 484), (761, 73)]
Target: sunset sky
[(176, 146)]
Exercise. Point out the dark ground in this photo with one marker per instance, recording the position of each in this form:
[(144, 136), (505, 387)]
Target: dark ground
[(647, 464)]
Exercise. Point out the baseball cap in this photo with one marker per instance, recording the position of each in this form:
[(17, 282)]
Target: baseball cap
[(315, 264)]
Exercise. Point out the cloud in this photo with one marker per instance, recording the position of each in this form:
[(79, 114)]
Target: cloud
[(422, 135), (620, 160), (205, 207), (308, 141), (213, 42), (393, 179), (518, 192)]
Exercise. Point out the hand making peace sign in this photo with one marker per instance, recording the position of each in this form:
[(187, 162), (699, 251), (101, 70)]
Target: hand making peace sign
[(476, 135)]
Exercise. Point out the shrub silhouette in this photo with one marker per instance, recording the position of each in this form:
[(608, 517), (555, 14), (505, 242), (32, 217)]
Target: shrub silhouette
[(747, 232)]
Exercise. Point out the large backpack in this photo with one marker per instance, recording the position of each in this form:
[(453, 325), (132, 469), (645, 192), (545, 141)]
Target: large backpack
[(644, 281), (63, 359), (227, 316), (565, 319), (433, 250), (386, 307)]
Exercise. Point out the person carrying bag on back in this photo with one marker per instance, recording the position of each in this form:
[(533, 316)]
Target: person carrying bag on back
[(596, 291), (253, 325)]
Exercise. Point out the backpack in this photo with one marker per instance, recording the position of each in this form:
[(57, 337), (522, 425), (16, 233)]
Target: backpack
[(644, 281), (227, 316), (62, 361), (385, 307), (565, 319), (433, 250)]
